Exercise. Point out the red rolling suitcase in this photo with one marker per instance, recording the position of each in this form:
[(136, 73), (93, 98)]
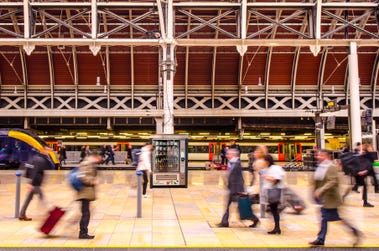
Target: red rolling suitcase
[(52, 219)]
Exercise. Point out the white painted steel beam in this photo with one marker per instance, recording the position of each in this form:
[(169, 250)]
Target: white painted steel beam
[(189, 42), (354, 113), (159, 113)]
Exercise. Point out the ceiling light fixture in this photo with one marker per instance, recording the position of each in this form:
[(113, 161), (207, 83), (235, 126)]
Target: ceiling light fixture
[(259, 81)]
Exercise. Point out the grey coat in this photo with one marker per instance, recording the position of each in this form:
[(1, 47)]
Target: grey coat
[(88, 171), (235, 180)]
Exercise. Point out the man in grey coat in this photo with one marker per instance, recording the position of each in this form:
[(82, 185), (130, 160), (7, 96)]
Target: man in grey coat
[(236, 185), (88, 173)]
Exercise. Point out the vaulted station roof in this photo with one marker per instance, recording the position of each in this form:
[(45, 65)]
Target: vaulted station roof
[(222, 49)]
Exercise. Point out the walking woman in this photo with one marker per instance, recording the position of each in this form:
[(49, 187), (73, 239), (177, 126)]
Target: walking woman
[(272, 177), (144, 165)]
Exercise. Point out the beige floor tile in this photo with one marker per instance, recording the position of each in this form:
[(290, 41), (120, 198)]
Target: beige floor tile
[(173, 217)]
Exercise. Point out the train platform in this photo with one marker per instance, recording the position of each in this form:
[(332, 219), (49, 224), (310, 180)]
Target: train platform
[(172, 218)]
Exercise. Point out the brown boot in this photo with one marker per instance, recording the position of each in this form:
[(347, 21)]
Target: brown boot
[(24, 218)]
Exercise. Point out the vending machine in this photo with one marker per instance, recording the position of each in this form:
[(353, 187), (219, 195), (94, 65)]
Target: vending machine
[(169, 161)]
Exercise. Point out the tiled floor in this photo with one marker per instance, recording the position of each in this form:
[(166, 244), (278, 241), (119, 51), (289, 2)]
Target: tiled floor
[(175, 217)]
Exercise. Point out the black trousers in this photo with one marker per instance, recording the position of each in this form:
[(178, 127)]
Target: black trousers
[(84, 221), (145, 182), (275, 213), (361, 181)]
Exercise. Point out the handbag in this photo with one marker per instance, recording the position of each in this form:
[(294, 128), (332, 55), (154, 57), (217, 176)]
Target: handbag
[(274, 195)]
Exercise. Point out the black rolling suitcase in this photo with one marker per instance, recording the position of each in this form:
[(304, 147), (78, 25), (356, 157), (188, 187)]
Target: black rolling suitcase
[(54, 216), (244, 207)]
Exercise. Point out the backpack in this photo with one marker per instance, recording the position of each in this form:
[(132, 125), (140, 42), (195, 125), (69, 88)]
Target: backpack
[(74, 179)]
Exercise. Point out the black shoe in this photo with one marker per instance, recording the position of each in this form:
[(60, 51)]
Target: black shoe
[(355, 190), (222, 225), (358, 235), (86, 236), (275, 231), (367, 205), (255, 223), (316, 243)]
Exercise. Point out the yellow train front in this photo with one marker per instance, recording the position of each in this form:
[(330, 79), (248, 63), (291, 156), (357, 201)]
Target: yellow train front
[(17, 147)]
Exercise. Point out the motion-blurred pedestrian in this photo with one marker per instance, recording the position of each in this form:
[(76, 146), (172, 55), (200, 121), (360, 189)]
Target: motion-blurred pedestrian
[(235, 184), (144, 165), (272, 177), (36, 172), (88, 174), (326, 192)]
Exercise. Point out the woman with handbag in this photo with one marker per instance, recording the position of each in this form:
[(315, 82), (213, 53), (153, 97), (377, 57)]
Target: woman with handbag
[(272, 186)]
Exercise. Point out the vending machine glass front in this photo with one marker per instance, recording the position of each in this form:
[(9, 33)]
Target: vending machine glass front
[(167, 156), (169, 161)]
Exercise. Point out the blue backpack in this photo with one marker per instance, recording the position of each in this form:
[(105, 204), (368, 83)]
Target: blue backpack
[(74, 179)]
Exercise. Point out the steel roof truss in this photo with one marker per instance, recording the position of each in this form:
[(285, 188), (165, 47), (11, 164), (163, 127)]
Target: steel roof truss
[(59, 24), (207, 23), (11, 14), (280, 23), (11, 33), (125, 23), (63, 22), (348, 24)]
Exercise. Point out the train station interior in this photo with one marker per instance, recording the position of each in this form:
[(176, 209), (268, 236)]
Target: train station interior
[(193, 75)]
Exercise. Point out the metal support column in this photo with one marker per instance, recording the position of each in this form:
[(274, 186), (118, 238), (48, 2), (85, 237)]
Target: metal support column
[(373, 131), (355, 114), (158, 126), (168, 71)]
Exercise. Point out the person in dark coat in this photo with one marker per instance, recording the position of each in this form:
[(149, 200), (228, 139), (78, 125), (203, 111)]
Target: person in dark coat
[(234, 145), (236, 185), (361, 170), (88, 173), (110, 155), (35, 171), (62, 155)]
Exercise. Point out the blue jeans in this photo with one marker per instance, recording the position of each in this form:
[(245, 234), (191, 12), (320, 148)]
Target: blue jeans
[(327, 214)]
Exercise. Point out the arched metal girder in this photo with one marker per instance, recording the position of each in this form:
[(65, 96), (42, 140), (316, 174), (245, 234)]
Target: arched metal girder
[(374, 77), (294, 74), (267, 74)]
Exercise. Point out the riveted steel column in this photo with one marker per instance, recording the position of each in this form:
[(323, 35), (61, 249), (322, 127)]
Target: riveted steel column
[(354, 112), (168, 71)]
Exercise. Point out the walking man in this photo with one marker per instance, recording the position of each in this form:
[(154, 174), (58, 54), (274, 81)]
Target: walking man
[(326, 193), (235, 185), (35, 171)]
